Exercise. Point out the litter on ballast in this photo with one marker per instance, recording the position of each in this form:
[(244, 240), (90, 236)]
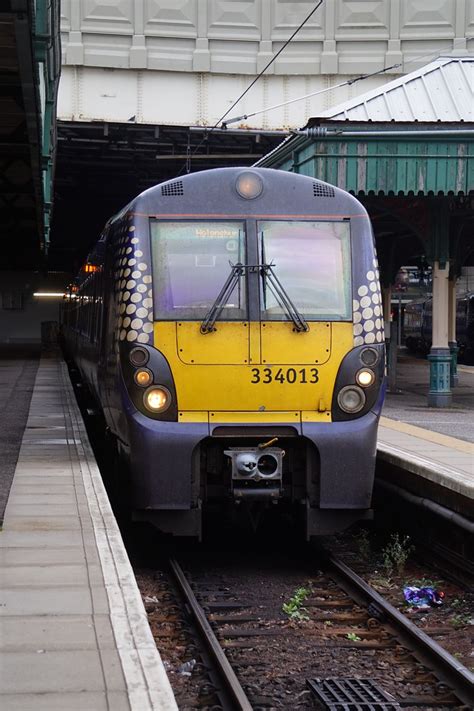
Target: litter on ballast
[(422, 598), (186, 669), (149, 599)]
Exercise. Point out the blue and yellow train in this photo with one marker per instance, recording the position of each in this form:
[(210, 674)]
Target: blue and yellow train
[(230, 325)]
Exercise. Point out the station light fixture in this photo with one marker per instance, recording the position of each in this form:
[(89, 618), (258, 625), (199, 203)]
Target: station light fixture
[(49, 294)]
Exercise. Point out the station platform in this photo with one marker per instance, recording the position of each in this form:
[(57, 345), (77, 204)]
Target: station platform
[(74, 634), (433, 447)]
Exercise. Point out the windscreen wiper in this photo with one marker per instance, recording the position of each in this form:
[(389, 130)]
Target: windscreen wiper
[(207, 326), (282, 297)]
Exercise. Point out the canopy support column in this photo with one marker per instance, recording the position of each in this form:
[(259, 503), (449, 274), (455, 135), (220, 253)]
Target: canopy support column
[(390, 339), (452, 339), (387, 310), (440, 355)]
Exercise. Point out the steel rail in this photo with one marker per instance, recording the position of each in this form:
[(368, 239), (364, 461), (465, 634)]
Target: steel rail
[(226, 672), (447, 667)]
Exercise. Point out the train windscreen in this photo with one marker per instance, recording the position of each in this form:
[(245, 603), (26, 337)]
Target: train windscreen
[(191, 261), (312, 262)]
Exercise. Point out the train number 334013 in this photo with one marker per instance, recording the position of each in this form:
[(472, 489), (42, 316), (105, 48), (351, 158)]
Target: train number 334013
[(288, 375)]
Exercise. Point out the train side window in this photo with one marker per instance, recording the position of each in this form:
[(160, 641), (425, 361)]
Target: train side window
[(191, 262)]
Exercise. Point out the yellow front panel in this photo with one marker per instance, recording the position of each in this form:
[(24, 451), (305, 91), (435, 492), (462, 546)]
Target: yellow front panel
[(229, 343), (311, 416), (282, 344), (254, 417), (290, 385), (193, 416), (254, 334)]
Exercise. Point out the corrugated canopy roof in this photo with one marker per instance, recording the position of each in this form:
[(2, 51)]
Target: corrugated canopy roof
[(441, 91)]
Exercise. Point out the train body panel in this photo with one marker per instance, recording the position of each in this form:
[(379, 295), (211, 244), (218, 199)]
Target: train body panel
[(240, 353), (216, 377)]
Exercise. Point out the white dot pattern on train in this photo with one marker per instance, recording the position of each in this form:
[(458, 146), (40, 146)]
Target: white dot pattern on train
[(368, 326), (133, 296)]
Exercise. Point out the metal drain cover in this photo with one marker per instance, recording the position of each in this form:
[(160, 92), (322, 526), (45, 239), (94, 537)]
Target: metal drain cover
[(352, 695)]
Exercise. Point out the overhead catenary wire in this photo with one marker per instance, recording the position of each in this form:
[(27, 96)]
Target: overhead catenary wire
[(187, 166), (432, 56), (275, 56), (347, 82)]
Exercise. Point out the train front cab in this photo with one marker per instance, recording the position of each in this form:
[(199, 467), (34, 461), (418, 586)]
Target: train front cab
[(267, 346), (321, 470)]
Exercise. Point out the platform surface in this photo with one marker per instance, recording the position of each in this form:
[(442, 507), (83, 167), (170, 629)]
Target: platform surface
[(435, 443), (73, 630), (18, 366)]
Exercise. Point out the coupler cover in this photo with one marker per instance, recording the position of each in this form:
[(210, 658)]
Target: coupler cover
[(257, 466)]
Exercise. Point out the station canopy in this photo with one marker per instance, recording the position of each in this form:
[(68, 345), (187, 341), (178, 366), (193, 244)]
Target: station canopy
[(406, 150), (412, 136), (442, 91), (21, 199)]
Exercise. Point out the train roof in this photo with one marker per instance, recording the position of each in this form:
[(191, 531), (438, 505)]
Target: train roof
[(208, 185)]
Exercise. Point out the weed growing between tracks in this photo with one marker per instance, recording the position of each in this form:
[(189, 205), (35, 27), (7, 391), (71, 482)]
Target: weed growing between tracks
[(294, 607), (396, 553), (389, 563)]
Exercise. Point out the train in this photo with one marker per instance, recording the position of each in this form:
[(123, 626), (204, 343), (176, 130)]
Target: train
[(418, 323), (229, 325)]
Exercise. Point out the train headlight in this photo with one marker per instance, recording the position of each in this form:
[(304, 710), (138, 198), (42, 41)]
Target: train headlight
[(138, 356), (369, 356), (249, 185), (351, 399), (157, 399), (365, 377), (143, 377)]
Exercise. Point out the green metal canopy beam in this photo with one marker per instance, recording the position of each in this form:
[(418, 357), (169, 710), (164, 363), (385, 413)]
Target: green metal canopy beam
[(48, 57), (412, 162), (30, 41)]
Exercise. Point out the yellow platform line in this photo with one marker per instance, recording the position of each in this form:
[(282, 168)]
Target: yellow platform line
[(427, 435)]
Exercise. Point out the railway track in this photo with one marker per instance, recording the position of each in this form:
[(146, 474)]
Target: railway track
[(347, 645)]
